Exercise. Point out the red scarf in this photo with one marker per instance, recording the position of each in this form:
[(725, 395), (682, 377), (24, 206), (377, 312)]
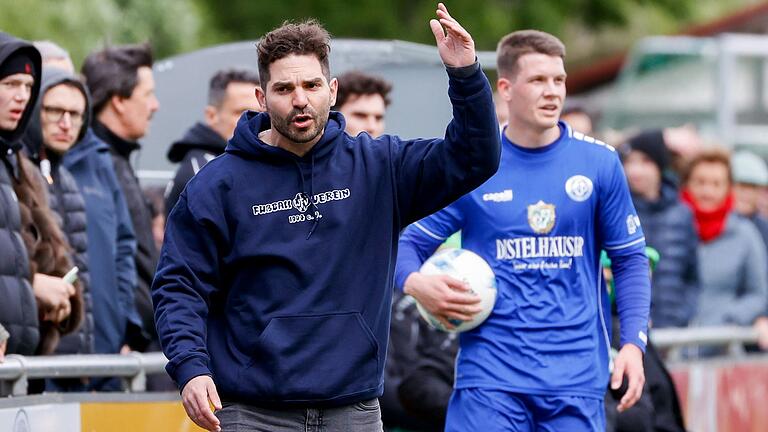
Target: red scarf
[(709, 223)]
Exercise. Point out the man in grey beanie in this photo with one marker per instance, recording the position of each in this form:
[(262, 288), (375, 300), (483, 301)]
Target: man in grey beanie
[(750, 178)]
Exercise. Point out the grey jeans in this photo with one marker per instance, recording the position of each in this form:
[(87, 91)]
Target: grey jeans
[(358, 417)]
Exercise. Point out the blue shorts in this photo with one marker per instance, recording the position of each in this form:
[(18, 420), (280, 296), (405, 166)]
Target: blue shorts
[(487, 410)]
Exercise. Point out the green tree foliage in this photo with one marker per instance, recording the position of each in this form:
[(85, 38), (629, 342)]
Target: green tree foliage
[(589, 27), (407, 19), (80, 26)]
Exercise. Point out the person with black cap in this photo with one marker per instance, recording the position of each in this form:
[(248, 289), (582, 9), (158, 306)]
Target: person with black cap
[(24, 234), (669, 228)]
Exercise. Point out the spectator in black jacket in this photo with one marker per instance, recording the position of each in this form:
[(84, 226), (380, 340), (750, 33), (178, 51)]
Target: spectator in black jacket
[(123, 94), (658, 409), (230, 92), (19, 61), (427, 383), (57, 124), (669, 228), (405, 333)]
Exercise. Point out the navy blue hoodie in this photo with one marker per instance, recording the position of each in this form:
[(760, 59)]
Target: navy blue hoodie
[(285, 299)]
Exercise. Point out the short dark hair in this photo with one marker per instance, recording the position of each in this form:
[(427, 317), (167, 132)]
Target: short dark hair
[(305, 38), (114, 71), (356, 83), (516, 44), (217, 88)]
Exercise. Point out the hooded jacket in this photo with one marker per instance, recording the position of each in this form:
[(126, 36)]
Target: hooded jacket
[(276, 274), (199, 145), (67, 202), (141, 218), (111, 243), (18, 309)]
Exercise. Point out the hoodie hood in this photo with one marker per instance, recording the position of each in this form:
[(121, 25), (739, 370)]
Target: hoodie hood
[(246, 142), (198, 137), (8, 46), (90, 143), (33, 137)]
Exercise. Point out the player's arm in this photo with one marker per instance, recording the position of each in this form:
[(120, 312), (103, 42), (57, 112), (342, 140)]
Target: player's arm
[(622, 238), (630, 272), (430, 174), (444, 297), (186, 278)]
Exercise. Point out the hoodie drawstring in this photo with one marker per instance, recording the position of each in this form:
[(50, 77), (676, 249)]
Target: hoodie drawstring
[(316, 217), (317, 214)]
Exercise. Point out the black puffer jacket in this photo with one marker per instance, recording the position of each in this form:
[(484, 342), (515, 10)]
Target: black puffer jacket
[(669, 228), (18, 309), (141, 217), (68, 203)]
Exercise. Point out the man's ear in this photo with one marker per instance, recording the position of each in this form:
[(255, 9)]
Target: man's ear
[(211, 115), (261, 97), (504, 87), (117, 103), (334, 85)]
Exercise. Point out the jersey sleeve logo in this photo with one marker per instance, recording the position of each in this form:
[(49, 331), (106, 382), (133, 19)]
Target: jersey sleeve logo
[(579, 188), (541, 217), (633, 223)]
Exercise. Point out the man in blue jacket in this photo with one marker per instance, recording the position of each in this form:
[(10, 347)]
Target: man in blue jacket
[(275, 278), (109, 232)]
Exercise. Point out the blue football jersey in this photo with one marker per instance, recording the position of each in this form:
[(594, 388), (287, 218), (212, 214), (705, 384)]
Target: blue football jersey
[(541, 222)]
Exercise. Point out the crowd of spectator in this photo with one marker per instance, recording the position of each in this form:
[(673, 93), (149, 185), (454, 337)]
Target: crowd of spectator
[(72, 204)]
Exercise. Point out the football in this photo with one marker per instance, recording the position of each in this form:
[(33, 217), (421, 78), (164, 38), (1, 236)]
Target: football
[(468, 267)]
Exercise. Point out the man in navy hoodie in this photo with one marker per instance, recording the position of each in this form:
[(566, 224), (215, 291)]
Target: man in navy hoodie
[(276, 275)]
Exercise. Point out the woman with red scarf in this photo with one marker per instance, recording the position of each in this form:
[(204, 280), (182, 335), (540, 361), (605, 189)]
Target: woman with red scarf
[(732, 258)]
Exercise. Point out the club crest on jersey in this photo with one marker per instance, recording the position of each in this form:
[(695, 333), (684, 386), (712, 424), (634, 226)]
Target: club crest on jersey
[(541, 217), (579, 188), (301, 202)]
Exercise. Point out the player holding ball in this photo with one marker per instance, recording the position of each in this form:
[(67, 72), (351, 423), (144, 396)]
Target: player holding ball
[(540, 361)]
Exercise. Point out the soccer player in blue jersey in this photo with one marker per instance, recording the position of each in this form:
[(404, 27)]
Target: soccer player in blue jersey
[(541, 360)]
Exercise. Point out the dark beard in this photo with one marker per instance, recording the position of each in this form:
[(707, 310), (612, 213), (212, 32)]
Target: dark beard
[(285, 127)]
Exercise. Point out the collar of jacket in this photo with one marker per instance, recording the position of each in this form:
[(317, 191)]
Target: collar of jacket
[(121, 146)]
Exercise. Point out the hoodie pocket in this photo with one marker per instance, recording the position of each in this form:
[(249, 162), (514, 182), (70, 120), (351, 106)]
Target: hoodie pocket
[(313, 357)]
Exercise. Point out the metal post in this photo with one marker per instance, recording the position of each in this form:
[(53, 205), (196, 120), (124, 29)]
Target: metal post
[(138, 382), (20, 385)]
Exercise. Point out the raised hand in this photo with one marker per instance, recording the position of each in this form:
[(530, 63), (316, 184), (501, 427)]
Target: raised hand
[(454, 43)]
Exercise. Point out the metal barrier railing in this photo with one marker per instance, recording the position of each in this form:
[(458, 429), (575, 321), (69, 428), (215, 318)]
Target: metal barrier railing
[(673, 340), (133, 368), (687, 336)]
